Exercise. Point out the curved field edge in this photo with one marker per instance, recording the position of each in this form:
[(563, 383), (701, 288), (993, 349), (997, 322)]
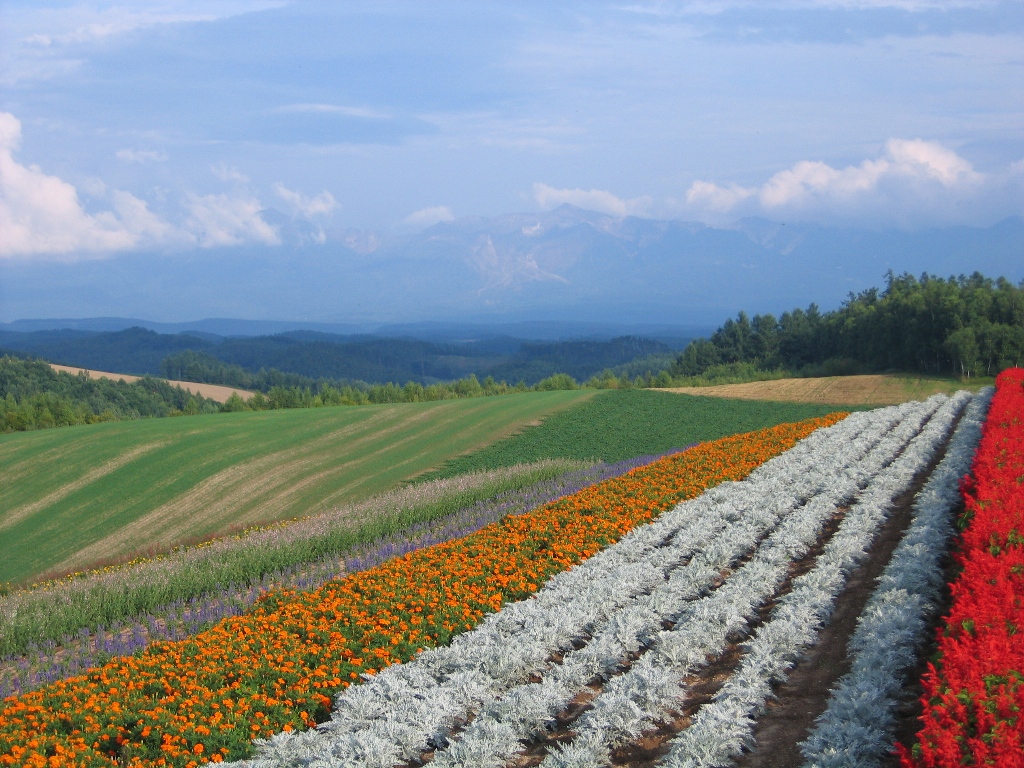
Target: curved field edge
[(82, 496), (276, 668), (619, 424)]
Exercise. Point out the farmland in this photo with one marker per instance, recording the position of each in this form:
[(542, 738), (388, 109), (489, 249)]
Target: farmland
[(116, 490), (249, 676), (647, 619), (111, 490)]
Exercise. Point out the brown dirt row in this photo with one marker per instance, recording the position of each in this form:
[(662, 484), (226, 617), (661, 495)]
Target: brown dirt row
[(212, 391)]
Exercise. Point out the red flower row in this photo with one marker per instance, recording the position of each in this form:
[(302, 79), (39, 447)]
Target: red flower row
[(974, 694)]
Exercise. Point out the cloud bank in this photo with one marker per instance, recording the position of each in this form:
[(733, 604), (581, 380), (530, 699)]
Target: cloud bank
[(43, 214), (224, 220), (912, 182)]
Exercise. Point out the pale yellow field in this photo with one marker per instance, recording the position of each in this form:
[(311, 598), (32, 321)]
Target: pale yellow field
[(212, 391), (835, 390)]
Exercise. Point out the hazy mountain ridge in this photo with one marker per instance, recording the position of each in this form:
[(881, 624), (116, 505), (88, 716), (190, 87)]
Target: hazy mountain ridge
[(565, 264)]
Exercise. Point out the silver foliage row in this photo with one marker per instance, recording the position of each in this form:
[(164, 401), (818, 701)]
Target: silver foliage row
[(724, 727), (857, 728), (787, 521), (473, 701)]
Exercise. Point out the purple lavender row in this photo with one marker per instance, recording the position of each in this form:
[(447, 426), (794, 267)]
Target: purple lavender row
[(53, 661)]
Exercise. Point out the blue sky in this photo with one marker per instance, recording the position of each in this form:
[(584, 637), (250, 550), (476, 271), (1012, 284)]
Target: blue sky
[(175, 125)]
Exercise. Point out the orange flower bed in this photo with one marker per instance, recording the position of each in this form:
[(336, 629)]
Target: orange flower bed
[(204, 699)]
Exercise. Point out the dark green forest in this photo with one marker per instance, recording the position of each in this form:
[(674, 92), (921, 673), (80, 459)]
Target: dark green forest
[(34, 396), (303, 358), (959, 326)]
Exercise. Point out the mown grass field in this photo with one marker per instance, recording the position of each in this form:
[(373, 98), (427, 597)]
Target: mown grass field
[(621, 424), (77, 496), (866, 390)]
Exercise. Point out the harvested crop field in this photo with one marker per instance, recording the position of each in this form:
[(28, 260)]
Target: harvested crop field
[(79, 496), (212, 391), (865, 390)]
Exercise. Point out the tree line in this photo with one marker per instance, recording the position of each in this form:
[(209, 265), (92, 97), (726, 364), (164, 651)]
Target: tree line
[(960, 326), (35, 396)]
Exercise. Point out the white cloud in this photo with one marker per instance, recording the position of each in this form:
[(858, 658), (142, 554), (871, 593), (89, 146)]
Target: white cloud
[(426, 217), (307, 207), (224, 172), (223, 220), (41, 214), (140, 156), (716, 198), (911, 181), (591, 200)]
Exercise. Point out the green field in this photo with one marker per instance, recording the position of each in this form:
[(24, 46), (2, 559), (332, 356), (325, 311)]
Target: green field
[(621, 424), (78, 496)]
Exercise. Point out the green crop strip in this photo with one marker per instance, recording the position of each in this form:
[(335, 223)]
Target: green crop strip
[(618, 424)]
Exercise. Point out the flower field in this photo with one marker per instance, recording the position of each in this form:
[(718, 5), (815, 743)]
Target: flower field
[(974, 693), (276, 668), (311, 550), (627, 626)]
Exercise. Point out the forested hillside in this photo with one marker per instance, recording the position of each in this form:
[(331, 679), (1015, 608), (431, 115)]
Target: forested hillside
[(303, 358), (34, 396), (960, 326)]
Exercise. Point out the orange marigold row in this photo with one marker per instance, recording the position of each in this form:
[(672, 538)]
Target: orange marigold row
[(204, 699)]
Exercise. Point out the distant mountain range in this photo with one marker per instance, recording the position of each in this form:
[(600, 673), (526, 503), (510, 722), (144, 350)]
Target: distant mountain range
[(565, 265)]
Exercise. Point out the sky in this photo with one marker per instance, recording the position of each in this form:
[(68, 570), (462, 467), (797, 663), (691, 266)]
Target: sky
[(150, 126)]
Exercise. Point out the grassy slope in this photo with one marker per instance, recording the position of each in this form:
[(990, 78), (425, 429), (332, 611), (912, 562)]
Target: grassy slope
[(620, 424), (80, 495)]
